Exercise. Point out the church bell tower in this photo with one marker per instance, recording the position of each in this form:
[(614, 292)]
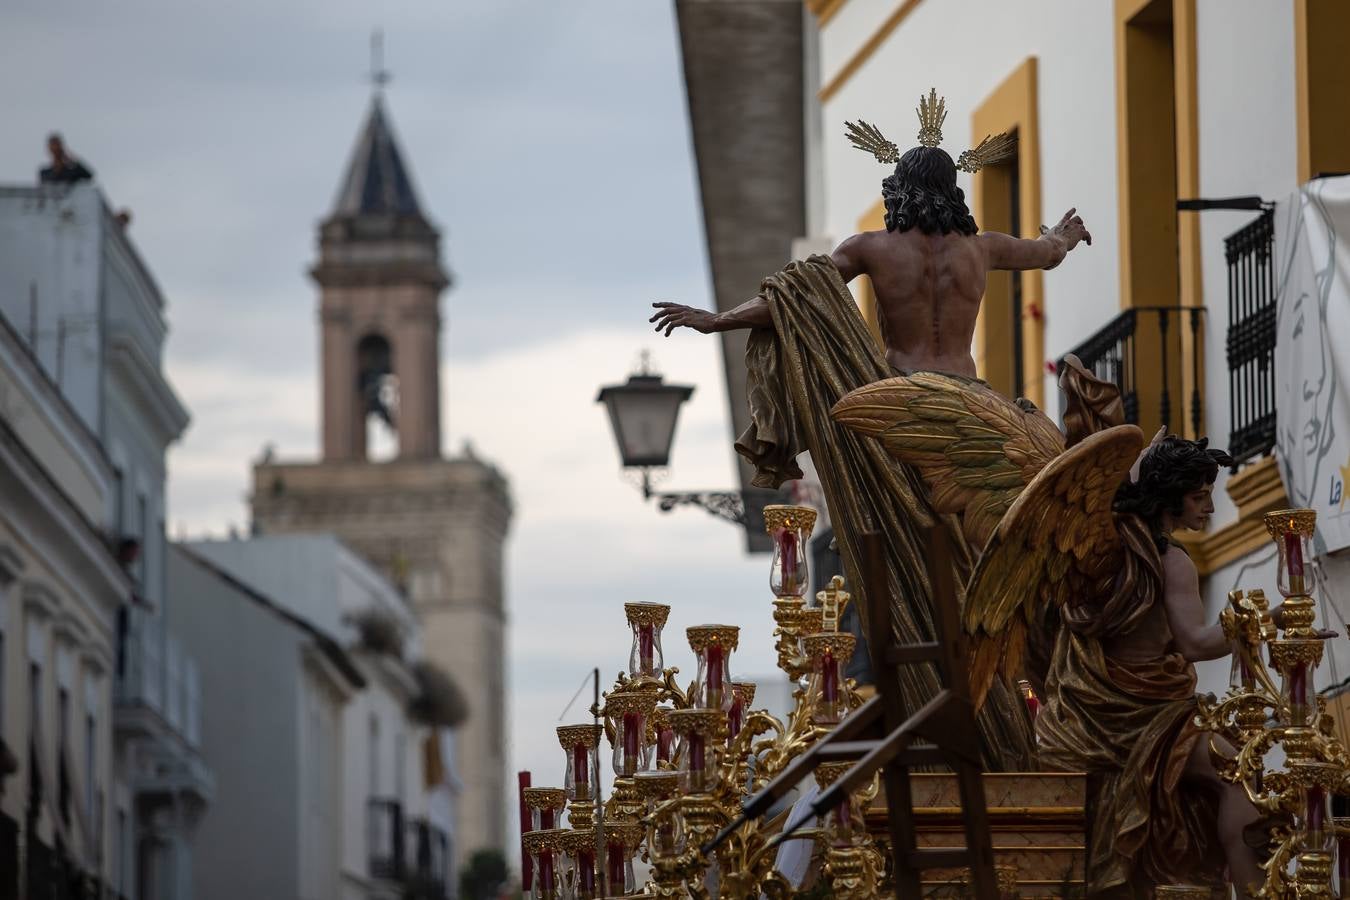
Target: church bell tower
[(434, 525)]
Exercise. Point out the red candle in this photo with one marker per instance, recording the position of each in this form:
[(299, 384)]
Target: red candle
[(586, 875), (546, 887), (646, 649), (1298, 693), (789, 561), (1033, 705), (665, 741), (1315, 812), (616, 869), (526, 861), (1293, 551), (632, 731), (697, 764), (581, 771), (717, 659), (735, 717), (547, 817), (829, 680)]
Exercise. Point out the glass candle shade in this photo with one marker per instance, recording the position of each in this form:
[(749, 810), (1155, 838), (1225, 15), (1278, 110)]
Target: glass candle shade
[(790, 527), (550, 863), (546, 806), (628, 710), (662, 736), (665, 835), (1029, 698), (1316, 805), (698, 730), (1297, 661), (829, 653), (742, 695), (646, 620), (1340, 818), (580, 847), (621, 843), (713, 645), (838, 822), (1292, 530), (582, 773)]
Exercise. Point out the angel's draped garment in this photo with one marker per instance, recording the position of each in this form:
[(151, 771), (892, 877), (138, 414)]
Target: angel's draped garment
[(818, 350)]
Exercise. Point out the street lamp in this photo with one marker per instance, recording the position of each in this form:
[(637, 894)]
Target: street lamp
[(643, 412)]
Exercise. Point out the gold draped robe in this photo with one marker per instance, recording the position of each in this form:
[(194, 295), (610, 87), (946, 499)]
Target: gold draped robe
[(818, 350), (1131, 726)]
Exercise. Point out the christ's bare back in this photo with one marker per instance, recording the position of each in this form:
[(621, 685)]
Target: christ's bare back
[(928, 289)]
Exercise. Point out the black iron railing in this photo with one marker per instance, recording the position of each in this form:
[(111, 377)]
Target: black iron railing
[(384, 838), (1139, 346), (1251, 338), (429, 853)]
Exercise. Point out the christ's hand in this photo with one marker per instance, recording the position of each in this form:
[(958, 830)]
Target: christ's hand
[(1070, 230), (670, 316)]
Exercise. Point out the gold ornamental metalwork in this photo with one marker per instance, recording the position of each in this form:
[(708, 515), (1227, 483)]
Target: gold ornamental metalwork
[(797, 518), (701, 637), (643, 613)]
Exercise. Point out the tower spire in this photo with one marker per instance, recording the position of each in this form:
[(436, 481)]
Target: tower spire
[(379, 75)]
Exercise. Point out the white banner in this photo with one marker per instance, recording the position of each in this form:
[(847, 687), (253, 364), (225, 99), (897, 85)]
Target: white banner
[(1312, 355)]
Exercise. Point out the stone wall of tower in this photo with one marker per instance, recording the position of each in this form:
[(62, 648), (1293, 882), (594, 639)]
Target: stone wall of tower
[(437, 528)]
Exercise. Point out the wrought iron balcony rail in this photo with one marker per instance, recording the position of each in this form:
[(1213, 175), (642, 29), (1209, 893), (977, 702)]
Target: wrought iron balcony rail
[(384, 838), (429, 851), (1251, 337), (1137, 350)]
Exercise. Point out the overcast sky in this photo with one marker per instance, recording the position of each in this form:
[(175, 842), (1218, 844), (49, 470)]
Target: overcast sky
[(550, 143)]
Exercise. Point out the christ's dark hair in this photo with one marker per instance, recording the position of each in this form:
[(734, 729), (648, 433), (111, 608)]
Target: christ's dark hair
[(922, 194), (1170, 470)]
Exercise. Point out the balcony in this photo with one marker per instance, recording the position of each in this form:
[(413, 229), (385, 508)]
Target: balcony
[(429, 853), (158, 689), (1249, 253), (1153, 354), (384, 838)]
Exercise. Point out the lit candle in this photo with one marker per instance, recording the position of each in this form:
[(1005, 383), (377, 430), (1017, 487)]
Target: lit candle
[(1293, 551), (717, 659), (646, 648), (581, 771), (632, 745)]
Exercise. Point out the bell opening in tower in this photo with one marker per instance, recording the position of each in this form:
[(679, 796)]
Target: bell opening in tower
[(377, 395)]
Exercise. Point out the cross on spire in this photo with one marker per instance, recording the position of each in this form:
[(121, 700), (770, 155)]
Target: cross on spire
[(379, 75)]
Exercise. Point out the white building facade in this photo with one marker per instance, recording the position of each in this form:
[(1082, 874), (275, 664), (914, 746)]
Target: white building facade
[(77, 292), (396, 785)]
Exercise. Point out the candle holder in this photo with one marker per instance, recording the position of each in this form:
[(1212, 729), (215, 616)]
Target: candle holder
[(545, 805), (666, 840), (699, 730), (713, 644), (829, 653), (1292, 531), (551, 875), (629, 711), (853, 866), (794, 619), (790, 527), (646, 662), (579, 743), (579, 845), (661, 737), (622, 840)]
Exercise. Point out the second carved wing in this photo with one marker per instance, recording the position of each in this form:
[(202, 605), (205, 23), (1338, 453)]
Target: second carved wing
[(1057, 544)]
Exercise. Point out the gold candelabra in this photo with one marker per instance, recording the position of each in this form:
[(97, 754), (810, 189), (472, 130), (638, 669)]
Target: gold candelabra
[(1256, 715), (685, 758)]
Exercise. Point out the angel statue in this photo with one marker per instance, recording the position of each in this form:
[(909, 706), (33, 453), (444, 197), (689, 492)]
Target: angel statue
[(810, 346), (1082, 590)]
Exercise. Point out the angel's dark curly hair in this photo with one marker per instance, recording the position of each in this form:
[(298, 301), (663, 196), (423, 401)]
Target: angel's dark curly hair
[(922, 194), (1170, 470)]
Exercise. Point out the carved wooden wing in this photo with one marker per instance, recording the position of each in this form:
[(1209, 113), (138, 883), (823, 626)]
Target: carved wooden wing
[(975, 448), (1057, 542)]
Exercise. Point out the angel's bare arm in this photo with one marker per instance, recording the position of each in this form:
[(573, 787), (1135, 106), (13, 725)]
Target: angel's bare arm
[(1004, 251), (1186, 610)]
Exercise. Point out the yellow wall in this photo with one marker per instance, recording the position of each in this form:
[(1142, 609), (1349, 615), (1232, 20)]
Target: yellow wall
[(1321, 84)]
